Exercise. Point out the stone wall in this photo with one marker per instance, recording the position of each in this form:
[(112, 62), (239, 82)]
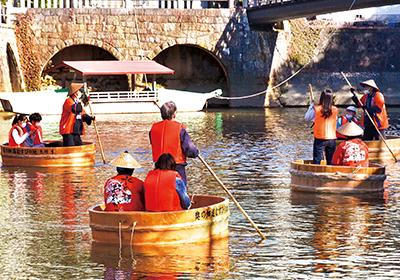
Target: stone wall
[(362, 54), (8, 40), (129, 33)]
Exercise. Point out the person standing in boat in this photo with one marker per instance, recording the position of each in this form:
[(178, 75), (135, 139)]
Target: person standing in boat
[(372, 101), (73, 116), (353, 151), (349, 117), (18, 133), (164, 187), (170, 136), (124, 192), (324, 116)]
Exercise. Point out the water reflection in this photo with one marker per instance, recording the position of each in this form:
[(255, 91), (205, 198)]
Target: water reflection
[(45, 233)]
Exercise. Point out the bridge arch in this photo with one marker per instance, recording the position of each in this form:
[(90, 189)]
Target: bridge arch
[(196, 69)]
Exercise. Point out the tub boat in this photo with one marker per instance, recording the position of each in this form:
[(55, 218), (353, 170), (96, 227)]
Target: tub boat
[(49, 156), (207, 220), (322, 178), (378, 151)]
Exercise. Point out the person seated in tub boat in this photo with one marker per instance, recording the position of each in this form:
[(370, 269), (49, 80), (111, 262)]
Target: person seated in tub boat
[(324, 116), (350, 116), (36, 139), (353, 151), (73, 116), (373, 102), (170, 136), (124, 192), (164, 189), (18, 132)]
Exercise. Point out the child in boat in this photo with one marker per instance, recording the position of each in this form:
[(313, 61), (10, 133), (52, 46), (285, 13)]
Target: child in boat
[(124, 192), (18, 132), (164, 187), (349, 117), (324, 116), (353, 151), (36, 139)]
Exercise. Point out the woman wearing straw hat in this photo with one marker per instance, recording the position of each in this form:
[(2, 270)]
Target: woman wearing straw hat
[(124, 192), (349, 117), (73, 115), (373, 101), (353, 151)]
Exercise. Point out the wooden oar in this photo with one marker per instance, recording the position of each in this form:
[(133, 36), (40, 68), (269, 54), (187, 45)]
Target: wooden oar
[(226, 190), (311, 93), (370, 118), (95, 127)]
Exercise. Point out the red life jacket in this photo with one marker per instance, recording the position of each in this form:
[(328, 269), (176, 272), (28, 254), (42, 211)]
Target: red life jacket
[(160, 192), (325, 128), (344, 121), (124, 193), (380, 119), (165, 138), (11, 140), (38, 135), (68, 117), (353, 152)]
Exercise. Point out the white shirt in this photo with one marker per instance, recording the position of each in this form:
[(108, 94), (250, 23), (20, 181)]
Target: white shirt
[(310, 114), (19, 139)]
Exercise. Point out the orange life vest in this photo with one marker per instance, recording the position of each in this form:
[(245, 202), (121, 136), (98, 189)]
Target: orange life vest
[(165, 138), (380, 119), (353, 152), (68, 118), (124, 193), (38, 135), (344, 121), (11, 140), (325, 128), (160, 192)]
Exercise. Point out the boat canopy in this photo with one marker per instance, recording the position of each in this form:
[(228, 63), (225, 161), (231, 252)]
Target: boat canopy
[(115, 67)]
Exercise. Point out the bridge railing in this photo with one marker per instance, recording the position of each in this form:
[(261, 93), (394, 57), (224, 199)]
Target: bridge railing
[(3, 14), (17, 6)]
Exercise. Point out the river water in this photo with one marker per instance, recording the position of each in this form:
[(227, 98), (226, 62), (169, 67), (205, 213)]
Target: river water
[(44, 221)]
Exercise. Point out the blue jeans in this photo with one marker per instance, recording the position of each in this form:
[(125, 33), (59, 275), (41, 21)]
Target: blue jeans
[(319, 146)]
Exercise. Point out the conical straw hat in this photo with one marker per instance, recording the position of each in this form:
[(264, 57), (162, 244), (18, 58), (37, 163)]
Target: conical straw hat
[(73, 87), (350, 129), (126, 161), (370, 83)]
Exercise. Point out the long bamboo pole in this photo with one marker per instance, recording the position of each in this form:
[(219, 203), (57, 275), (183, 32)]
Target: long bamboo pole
[(226, 190), (370, 118), (95, 127)]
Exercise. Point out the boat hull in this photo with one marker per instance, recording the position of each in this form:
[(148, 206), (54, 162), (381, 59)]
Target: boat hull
[(49, 156), (206, 221), (317, 178)]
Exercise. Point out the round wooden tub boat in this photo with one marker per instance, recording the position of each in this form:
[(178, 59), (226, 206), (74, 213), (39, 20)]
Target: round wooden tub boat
[(378, 151), (49, 156), (308, 177), (207, 220)]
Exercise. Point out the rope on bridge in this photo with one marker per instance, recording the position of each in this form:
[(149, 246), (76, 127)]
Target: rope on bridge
[(293, 75)]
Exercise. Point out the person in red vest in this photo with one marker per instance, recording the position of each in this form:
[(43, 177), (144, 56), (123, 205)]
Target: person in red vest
[(36, 139), (372, 101), (170, 136), (164, 188), (73, 116), (349, 117), (353, 151), (324, 116), (18, 133), (124, 192)]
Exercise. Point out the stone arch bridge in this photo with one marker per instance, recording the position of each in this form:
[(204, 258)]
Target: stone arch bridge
[(205, 47)]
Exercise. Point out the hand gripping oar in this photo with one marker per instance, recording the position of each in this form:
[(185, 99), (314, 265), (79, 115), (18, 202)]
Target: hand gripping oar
[(95, 127), (370, 118), (226, 190)]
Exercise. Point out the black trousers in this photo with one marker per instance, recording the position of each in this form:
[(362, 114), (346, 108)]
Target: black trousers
[(370, 133), (72, 139)]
